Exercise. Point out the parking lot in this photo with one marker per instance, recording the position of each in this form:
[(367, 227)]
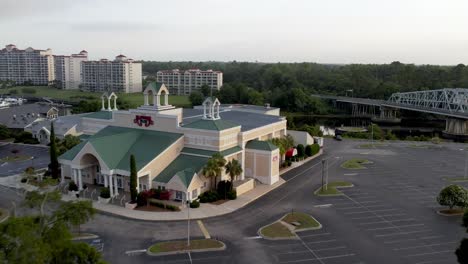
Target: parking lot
[(39, 154), (389, 216)]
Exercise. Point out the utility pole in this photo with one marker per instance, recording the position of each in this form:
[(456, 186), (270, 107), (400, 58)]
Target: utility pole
[(323, 172), (466, 162), (372, 134), (188, 220), (326, 175)]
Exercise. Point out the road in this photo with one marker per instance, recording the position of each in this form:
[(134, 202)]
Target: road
[(388, 217), (39, 153)]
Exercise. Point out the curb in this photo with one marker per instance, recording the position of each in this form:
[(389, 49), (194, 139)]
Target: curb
[(294, 232), (331, 195), (89, 236), (6, 216), (149, 253), (443, 214)]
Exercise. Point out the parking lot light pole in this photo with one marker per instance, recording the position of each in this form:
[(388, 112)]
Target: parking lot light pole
[(323, 171), (188, 220), (466, 162)]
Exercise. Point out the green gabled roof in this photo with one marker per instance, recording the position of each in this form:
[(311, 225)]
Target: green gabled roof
[(71, 153), (206, 124), (107, 115), (155, 85), (201, 152), (209, 153), (184, 167), (84, 136), (260, 145), (115, 145), (230, 151)]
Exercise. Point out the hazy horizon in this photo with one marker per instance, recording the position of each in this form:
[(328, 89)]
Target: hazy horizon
[(326, 32)]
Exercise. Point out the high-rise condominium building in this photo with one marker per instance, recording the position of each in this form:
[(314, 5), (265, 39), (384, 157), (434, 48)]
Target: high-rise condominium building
[(184, 82), (28, 66), (120, 75), (68, 70)]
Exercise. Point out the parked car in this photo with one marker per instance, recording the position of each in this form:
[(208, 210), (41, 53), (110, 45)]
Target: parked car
[(338, 137)]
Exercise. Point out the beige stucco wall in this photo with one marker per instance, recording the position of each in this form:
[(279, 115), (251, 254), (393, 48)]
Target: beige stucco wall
[(262, 165), (266, 132), (163, 160), (245, 187)]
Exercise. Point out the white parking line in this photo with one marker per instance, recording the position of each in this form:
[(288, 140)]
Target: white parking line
[(319, 259), (429, 253), (388, 215), (332, 248), (322, 241), (372, 211), (322, 234), (393, 227), (428, 245), (402, 233), (410, 239), (379, 222)]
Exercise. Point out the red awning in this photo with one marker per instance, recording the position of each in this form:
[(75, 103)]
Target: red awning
[(291, 152)]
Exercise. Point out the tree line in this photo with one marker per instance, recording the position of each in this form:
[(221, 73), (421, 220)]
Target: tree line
[(289, 85)]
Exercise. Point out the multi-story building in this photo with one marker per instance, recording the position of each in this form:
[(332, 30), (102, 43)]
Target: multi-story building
[(184, 82), (68, 70), (120, 75), (28, 66)]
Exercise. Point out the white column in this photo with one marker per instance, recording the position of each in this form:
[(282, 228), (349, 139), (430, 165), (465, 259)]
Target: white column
[(146, 99), (106, 183), (166, 99), (108, 104), (74, 176), (111, 185), (80, 180), (138, 184), (103, 106), (242, 176), (115, 102), (158, 100), (62, 177), (116, 189)]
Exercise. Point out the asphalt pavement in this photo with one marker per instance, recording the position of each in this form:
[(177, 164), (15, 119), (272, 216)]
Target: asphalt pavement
[(40, 158)]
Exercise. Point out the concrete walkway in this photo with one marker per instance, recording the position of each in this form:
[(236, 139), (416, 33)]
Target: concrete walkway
[(204, 211)]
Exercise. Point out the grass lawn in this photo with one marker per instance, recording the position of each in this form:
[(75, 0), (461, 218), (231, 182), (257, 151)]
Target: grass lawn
[(276, 230), (355, 164), (15, 158), (135, 99), (46, 182), (455, 179), (332, 188), (172, 246), (305, 220)]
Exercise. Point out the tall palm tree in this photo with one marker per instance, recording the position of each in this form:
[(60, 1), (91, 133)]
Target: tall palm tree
[(213, 167), (234, 169)]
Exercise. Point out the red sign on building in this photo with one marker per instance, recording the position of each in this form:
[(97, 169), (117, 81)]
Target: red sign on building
[(143, 120)]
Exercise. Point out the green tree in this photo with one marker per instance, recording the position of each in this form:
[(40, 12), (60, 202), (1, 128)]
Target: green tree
[(213, 167), (205, 90), (300, 150), (76, 213), (308, 151), (68, 142), (233, 169), (133, 179), (45, 238), (4, 132), (255, 97), (462, 251), (453, 195), (54, 165), (196, 98)]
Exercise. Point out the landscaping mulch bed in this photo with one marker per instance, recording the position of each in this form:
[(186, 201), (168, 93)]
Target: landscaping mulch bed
[(219, 202), (151, 208), (175, 246), (451, 212)]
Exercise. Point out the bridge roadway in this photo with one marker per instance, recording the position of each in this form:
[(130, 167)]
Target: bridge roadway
[(384, 103)]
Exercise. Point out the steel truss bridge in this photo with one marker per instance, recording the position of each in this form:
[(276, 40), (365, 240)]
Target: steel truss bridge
[(450, 102)]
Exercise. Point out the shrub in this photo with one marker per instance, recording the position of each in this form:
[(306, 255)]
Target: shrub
[(159, 204), (172, 207), (208, 197), (164, 195), (315, 148), (453, 195), (27, 90), (289, 163), (72, 187), (24, 180), (194, 204), (29, 170), (308, 151), (13, 91), (300, 150), (143, 196), (105, 193), (435, 140), (223, 188), (232, 195)]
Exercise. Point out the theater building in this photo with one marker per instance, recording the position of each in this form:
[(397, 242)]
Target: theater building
[(171, 145)]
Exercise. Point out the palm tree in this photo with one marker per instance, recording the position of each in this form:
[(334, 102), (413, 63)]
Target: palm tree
[(234, 169), (213, 167)]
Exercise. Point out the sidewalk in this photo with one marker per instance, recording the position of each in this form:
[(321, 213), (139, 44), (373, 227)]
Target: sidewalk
[(204, 211)]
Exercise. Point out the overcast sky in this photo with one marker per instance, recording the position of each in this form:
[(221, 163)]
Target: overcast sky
[(324, 31)]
